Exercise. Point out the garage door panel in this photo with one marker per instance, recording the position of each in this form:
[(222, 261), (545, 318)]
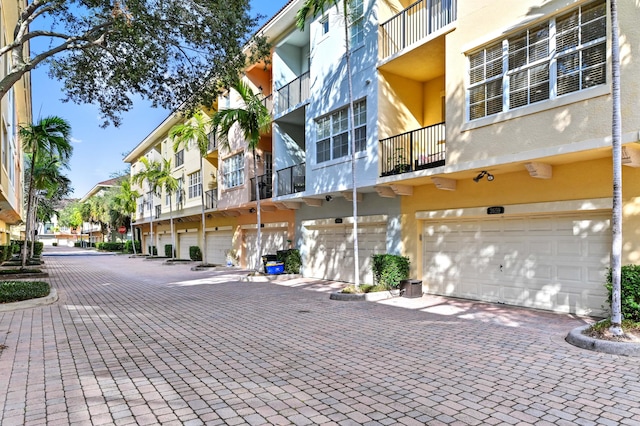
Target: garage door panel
[(218, 244), (554, 263), (272, 240), (185, 241)]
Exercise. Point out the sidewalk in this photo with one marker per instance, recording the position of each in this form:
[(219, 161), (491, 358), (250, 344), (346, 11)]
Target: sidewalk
[(134, 342)]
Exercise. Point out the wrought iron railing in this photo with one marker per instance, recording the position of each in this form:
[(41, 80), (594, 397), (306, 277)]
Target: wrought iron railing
[(211, 199), (291, 180), (416, 150), (415, 23), (213, 141), (293, 93), (265, 185)]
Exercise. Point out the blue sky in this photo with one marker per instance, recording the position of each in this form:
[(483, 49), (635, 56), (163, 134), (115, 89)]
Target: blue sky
[(97, 152)]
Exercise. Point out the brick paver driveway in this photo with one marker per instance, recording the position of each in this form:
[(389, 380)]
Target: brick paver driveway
[(136, 342)]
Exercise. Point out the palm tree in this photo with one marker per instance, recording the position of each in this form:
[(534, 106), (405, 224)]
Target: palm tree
[(616, 137), (169, 183), (125, 201), (254, 120), (316, 7), (52, 136), (150, 175), (195, 129)]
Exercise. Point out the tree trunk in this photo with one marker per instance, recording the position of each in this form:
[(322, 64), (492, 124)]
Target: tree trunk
[(259, 234), (133, 238), (151, 226), (356, 259), (616, 222), (204, 231), (29, 207), (173, 238)]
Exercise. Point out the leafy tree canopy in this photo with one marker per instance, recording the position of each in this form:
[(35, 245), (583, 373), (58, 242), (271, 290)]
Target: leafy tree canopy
[(106, 51)]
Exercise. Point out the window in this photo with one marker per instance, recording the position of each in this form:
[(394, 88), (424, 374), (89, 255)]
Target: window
[(324, 24), (233, 171), (180, 192), (179, 158), (563, 55), (332, 133), (356, 12), (195, 189)]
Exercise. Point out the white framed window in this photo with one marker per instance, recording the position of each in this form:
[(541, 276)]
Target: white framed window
[(332, 133), (324, 25), (178, 158), (356, 20), (563, 55), (195, 189), (233, 171), (180, 192)]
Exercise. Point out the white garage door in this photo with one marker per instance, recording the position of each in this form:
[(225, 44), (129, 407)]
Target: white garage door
[(272, 241), (331, 251), (163, 239), (218, 243), (186, 240), (549, 262)]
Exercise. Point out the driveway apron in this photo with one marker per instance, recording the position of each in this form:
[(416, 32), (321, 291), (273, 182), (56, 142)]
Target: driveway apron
[(133, 341)]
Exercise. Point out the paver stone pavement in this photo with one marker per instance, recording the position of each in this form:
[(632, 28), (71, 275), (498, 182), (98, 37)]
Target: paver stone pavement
[(136, 342)]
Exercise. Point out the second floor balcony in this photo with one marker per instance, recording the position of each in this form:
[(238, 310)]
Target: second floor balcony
[(211, 199), (265, 186), (415, 150), (291, 180), (415, 23), (293, 93)]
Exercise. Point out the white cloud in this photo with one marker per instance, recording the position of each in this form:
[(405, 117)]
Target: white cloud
[(76, 141)]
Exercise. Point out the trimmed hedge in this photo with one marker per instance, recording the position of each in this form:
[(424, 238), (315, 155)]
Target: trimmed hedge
[(5, 253), (390, 269), (195, 253), (128, 247), (629, 291), (37, 248), (168, 250), (109, 246), (15, 291), (291, 259)]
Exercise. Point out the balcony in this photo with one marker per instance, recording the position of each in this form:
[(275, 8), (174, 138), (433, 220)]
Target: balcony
[(291, 180), (267, 101), (266, 187), (211, 199), (293, 93), (415, 23), (213, 141), (416, 150)]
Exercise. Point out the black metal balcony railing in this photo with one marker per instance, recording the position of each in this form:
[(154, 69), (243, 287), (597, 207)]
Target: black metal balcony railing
[(415, 23), (266, 187), (213, 141), (211, 199), (291, 180), (416, 150), (267, 101), (294, 93), (158, 212)]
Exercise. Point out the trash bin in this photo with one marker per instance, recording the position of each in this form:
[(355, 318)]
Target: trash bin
[(267, 258), (411, 288)]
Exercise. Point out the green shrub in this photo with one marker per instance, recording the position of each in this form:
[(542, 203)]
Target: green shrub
[(37, 247), (291, 259), (5, 253), (15, 291), (109, 246), (77, 244), (54, 244), (195, 253), (168, 250), (128, 246), (153, 250), (629, 291), (389, 270)]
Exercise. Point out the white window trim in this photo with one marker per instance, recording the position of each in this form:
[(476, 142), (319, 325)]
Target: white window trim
[(554, 101), (315, 163), (227, 173)]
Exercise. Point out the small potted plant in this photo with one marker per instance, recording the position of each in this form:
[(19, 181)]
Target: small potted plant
[(400, 162)]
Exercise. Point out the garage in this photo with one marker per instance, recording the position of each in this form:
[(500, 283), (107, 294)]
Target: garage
[(219, 242), (163, 239), (330, 250), (553, 262), (273, 238), (186, 240)]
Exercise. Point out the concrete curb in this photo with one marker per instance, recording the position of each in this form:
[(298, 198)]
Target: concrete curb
[(577, 338), (362, 297), (268, 278), (32, 303)]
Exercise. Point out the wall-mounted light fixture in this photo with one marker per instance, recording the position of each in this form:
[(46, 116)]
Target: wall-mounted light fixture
[(328, 198), (482, 174), (252, 210)]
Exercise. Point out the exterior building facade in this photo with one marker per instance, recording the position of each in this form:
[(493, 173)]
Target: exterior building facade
[(15, 109), (92, 232), (483, 146)]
